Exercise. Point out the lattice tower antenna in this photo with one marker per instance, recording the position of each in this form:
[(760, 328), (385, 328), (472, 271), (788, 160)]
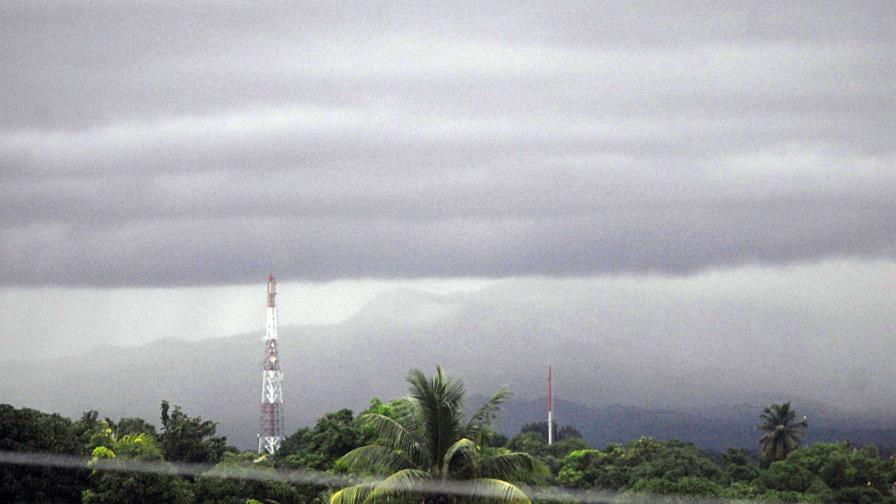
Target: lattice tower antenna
[(270, 434)]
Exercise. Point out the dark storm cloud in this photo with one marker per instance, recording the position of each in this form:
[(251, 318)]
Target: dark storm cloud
[(158, 144)]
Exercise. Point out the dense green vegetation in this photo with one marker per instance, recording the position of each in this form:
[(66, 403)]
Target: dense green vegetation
[(424, 437)]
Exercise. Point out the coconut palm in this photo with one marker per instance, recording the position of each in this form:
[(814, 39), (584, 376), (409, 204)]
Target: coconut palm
[(425, 441), (782, 434)]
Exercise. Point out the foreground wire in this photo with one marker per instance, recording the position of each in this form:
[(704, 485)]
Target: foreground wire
[(311, 477)]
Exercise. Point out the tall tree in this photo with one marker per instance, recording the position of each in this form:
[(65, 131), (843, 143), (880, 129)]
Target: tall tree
[(334, 435), (427, 439), (782, 433), (28, 430), (189, 439), (132, 425)]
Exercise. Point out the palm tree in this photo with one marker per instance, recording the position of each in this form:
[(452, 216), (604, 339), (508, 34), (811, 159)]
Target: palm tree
[(782, 434), (425, 441)]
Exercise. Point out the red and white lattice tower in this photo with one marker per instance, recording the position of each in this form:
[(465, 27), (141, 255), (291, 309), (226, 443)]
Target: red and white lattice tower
[(270, 435)]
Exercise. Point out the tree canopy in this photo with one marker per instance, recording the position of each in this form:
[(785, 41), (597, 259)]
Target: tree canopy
[(189, 439), (783, 433), (427, 437)]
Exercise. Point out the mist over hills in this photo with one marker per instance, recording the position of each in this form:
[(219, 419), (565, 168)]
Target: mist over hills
[(717, 428), (626, 364)]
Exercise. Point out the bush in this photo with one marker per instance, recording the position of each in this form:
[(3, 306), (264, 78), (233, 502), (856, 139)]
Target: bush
[(859, 495), (790, 496), (785, 476), (619, 467)]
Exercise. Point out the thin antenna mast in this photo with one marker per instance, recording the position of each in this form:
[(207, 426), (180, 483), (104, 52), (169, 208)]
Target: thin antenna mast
[(550, 408)]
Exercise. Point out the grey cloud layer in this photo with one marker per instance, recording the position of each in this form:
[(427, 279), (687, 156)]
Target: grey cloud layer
[(158, 144)]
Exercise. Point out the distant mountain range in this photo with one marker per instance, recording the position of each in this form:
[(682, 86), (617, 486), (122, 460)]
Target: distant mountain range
[(488, 338), (714, 429)]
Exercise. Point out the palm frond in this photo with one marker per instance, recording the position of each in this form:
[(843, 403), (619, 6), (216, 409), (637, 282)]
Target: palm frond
[(488, 490), (393, 435), (375, 459), (487, 413), (465, 448), (783, 434), (440, 400), (419, 383), (453, 392), (408, 414), (401, 484), (513, 465), (352, 495)]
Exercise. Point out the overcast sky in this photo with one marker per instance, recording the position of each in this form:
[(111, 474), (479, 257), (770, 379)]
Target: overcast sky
[(151, 146)]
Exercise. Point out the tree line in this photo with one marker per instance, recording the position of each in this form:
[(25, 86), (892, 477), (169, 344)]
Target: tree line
[(427, 437)]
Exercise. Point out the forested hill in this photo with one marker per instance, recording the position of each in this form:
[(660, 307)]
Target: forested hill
[(714, 429)]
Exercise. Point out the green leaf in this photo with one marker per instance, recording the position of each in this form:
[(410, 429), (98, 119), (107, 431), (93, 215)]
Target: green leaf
[(463, 447), (514, 465), (374, 459), (393, 435), (401, 484), (494, 490), (487, 413), (352, 495)]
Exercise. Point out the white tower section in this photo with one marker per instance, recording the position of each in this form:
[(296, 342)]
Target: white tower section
[(550, 408), (270, 435)]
